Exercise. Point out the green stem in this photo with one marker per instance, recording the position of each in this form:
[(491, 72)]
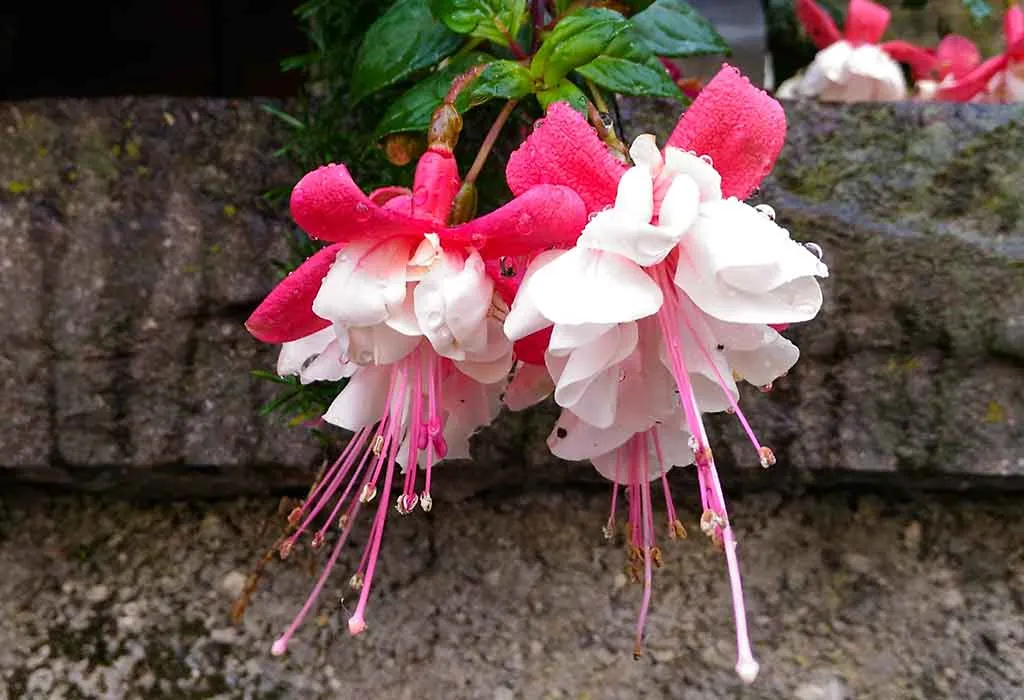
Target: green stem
[(488, 144), (467, 47)]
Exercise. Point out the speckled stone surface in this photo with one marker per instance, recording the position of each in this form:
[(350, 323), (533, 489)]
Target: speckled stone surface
[(516, 595)]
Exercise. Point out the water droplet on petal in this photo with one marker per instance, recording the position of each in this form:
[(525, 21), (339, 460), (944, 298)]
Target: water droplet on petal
[(766, 210), (361, 211), (765, 388), (419, 196), (707, 159), (622, 375), (478, 240), (435, 319), (815, 249), (524, 224)]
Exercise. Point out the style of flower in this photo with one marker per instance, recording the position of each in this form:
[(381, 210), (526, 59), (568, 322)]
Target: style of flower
[(999, 79), (851, 66), (668, 297), (410, 309)]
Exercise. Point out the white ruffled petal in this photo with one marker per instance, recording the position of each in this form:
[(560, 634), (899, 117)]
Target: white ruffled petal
[(297, 353), (573, 439), (634, 198), (362, 401), (378, 345), (530, 385), (451, 302), (644, 151), (701, 170), (738, 265), (366, 280), (591, 286), (588, 362), (565, 337), (666, 448), (764, 365), (328, 366), (679, 207), (403, 317), (524, 318), (492, 362)]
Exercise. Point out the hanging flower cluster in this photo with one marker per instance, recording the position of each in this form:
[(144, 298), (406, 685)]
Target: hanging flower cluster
[(639, 295), (855, 65)]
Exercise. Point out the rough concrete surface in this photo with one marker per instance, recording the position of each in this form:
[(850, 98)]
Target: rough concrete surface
[(516, 595)]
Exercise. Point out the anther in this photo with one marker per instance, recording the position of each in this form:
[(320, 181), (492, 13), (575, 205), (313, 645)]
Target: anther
[(608, 530), (343, 521), (368, 494), (426, 502), (377, 445), (285, 549), (356, 582), (294, 516), (767, 456), (676, 530), (318, 541)]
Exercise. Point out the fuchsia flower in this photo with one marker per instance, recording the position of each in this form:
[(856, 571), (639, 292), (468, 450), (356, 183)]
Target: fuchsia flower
[(1000, 79), (667, 299), (410, 309), (851, 66)]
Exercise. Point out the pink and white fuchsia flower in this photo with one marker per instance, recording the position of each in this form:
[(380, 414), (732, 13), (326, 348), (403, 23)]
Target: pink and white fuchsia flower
[(851, 66), (407, 308), (667, 299)]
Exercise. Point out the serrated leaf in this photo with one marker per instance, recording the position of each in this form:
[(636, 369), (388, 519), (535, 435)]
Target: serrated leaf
[(405, 39), (630, 78), (672, 28), (506, 80), (565, 91), (413, 110), (494, 20), (576, 40), (979, 9)]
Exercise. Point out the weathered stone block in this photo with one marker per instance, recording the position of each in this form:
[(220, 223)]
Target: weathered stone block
[(135, 242)]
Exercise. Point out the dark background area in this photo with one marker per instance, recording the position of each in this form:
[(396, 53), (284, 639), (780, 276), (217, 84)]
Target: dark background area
[(226, 48)]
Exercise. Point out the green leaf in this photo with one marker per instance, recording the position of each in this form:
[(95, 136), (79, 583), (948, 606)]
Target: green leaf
[(413, 110), (575, 41), (673, 28), (405, 39), (494, 20), (565, 91), (979, 9), (506, 80), (631, 78)]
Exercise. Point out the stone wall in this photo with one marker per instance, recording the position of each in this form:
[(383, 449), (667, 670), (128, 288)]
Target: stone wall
[(135, 241)]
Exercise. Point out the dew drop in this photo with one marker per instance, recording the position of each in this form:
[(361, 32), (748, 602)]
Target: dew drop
[(478, 240), (766, 210), (622, 375), (434, 320), (707, 159), (361, 211), (524, 224), (419, 196), (815, 249)]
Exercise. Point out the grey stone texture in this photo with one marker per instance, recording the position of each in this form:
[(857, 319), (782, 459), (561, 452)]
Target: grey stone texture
[(516, 595)]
